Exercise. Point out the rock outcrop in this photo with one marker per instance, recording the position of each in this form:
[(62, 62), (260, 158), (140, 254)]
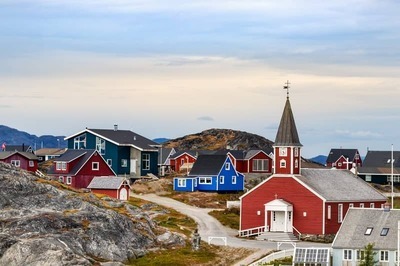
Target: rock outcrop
[(42, 225)]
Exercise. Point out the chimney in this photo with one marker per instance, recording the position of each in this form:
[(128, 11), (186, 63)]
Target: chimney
[(134, 137), (115, 127)]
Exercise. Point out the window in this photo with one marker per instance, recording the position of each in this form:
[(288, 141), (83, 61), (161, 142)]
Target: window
[(360, 255), (205, 180), (296, 152), (124, 162), (340, 213), (233, 179), (146, 161), (61, 166), (368, 231), (361, 205), (296, 163), (101, 145), (339, 164), (368, 178), (80, 142), (329, 212), (351, 205), (181, 182), (227, 166), (69, 180), (95, 166), (31, 164), (384, 255), (283, 163), (290, 216), (109, 162), (182, 161), (260, 165), (347, 254), (372, 205), (221, 179), (61, 179), (16, 163), (384, 231), (282, 151)]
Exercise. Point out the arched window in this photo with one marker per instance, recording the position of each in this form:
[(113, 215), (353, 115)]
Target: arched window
[(283, 163)]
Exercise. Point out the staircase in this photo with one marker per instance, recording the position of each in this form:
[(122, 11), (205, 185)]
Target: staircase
[(278, 237)]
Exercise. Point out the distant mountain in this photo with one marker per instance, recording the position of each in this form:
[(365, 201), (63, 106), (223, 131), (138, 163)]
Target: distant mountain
[(160, 140), (217, 139), (321, 159), (12, 136)]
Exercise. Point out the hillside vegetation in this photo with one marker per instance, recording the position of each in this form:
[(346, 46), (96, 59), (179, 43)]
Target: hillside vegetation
[(217, 139)]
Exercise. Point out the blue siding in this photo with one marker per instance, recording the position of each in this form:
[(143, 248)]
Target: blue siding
[(207, 186), (189, 184), (227, 173), (153, 163)]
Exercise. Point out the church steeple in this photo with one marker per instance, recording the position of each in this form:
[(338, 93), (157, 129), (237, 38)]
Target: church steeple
[(287, 144)]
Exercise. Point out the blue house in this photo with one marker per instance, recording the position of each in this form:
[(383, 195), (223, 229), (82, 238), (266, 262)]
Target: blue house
[(214, 173), (127, 153)]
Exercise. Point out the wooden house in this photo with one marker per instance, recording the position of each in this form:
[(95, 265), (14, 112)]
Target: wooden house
[(182, 161), (377, 167), (367, 226), (77, 168), (115, 187), (48, 153), (344, 159), (259, 161), (24, 160), (164, 160), (20, 148), (301, 201), (127, 152), (214, 173)]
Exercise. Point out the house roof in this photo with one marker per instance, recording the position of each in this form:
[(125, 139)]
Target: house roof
[(107, 182), (49, 151), (123, 138), (72, 154), (380, 162), (251, 153), (193, 153), (287, 133), (339, 185), (335, 154), (352, 232), (28, 155), (21, 148), (164, 154), (208, 165)]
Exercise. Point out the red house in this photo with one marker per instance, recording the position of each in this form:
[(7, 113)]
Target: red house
[(302, 201), (344, 159), (251, 161), (115, 187), (77, 168), (24, 160)]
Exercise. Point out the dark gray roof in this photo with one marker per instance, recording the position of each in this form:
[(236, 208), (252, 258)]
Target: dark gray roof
[(238, 154), (107, 182), (28, 155), (379, 162), (193, 153), (287, 132), (208, 165), (163, 154), (252, 153), (352, 232), (339, 185), (82, 156), (335, 154), (22, 148)]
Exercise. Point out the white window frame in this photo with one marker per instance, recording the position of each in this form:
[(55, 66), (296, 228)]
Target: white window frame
[(181, 182), (61, 179), (296, 163), (283, 163), (360, 254), (372, 205), (69, 180), (351, 205), (361, 205), (95, 166), (31, 164), (80, 142), (109, 162), (283, 151), (227, 166), (221, 179), (205, 180), (296, 152), (384, 256), (146, 161), (124, 163), (16, 163), (347, 254), (340, 213), (101, 145), (260, 165), (233, 180), (329, 212)]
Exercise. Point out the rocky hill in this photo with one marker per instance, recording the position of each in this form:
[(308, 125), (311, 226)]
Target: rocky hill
[(43, 225), (216, 139)]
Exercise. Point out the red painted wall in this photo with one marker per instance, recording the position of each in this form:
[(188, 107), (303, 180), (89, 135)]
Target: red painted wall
[(24, 162), (260, 156), (290, 190), (176, 163), (114, 193)]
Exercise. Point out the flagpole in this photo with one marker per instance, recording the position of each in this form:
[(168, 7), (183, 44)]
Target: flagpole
[(392, 176)]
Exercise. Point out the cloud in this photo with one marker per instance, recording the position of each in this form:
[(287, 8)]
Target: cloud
[(359, 134), (205, 118)]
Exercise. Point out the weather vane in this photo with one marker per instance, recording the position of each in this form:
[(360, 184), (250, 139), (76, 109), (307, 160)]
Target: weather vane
[(286, 87)]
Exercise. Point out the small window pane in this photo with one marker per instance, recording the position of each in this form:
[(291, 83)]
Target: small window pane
[(368, 231), (384, 231)]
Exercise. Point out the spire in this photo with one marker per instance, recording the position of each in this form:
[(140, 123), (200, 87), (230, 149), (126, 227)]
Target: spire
[(287, 132)]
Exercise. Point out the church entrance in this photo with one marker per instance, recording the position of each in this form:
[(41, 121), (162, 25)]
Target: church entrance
[(278, 216)]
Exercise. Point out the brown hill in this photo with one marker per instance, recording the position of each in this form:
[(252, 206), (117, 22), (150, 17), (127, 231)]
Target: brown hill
[(217, 139)]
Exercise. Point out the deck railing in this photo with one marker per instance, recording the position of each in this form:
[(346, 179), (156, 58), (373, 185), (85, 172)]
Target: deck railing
[(256, 231)]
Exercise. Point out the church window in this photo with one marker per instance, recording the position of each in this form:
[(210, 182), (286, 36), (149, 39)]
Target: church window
[(282, 151), (296, 163), (340, 213), (283, 163)]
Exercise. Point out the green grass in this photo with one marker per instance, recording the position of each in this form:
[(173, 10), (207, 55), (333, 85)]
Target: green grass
[(178, 257), (228, 217)]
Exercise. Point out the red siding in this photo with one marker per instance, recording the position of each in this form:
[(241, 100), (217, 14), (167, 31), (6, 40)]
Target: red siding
[(24, 162), (260, 156), (176, 163), (114, 193), (290, 190)]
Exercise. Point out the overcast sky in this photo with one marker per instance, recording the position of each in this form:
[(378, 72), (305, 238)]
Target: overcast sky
[(177, 67)]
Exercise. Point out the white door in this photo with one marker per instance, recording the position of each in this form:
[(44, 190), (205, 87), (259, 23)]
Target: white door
[(123, 194), (133, 165), (277, 221)]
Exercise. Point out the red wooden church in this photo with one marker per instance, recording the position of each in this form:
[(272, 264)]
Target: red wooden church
[(302, 201)]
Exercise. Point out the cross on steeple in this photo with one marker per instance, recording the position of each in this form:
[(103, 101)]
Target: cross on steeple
[(286, 87)]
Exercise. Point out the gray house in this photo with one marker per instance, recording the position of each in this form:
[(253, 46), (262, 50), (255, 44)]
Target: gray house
[(363, 226)]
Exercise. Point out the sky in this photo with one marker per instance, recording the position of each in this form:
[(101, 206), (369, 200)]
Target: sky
[(177, 67)]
